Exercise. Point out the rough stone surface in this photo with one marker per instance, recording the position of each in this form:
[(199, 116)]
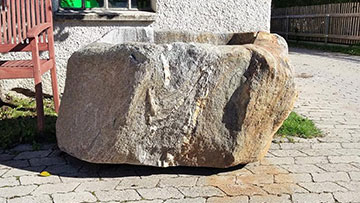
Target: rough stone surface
[(191, 104), (31, 199)]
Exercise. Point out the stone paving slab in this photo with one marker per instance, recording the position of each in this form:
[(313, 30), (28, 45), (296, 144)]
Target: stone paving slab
[(325, 169)]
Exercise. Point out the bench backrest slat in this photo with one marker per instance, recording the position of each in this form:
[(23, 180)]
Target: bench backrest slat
[(17, 17)]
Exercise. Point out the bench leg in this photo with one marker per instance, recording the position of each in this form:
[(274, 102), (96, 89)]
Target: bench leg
[(55, 89), (39, 108)]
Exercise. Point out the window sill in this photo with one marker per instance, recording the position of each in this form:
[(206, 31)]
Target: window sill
[(101, 15)]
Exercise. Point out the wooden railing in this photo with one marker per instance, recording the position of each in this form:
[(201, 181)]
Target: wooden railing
[(333, 23)]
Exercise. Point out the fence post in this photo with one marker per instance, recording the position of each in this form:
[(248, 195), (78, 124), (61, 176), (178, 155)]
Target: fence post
[(287, 28), (327, 28)]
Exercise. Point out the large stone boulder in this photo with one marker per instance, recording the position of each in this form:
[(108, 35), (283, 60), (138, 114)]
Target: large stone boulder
[(214, 101)]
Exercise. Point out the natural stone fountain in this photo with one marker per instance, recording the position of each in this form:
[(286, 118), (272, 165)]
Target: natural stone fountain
[(161, 98)]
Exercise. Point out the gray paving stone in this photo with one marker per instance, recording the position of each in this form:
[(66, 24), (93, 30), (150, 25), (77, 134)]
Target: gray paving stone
[(24, 172), (267, 169), (325, 145), (6, 157), (29, 180), (278, 161), (2, 200), (330, 176), (74, 197), (288, 153), (338, 167), (31, 199), (187, 200), (293, 178), (32, 154), (137, 182), (55, 188), (16, 163), (47, 161), (22, 148), (3, 171), (311, 160), (116, 171), (357, 165), (303, 168), (97, 186), (323, 187), (50, 146), (320, 152), (160, 193), (269, 155), (8, 182), (215, 180), (347, 196), (351, 145), (242, 190), (355, 176), (255, 179), (123, 195), (17, 191), (145, 201), (337, 139), (204, 191), (89, 168), (344, 159), (347, 126), (55, 153), (283, 188), (238, 199), (178, 181), (351, 186), (313, 198), (242, 171), (63, 169), (293, 146), (80, 179), (350, 152), (270, 199), (274, 146)]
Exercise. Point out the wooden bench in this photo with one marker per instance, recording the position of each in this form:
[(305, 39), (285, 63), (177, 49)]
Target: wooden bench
[(26, 26)]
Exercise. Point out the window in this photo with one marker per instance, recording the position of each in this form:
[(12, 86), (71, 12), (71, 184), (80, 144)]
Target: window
[(106, 4)]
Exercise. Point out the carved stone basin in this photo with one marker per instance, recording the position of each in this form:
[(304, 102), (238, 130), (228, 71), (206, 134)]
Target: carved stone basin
[(162, 98)]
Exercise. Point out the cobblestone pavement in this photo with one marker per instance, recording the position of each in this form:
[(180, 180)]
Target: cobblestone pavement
[(320, 170)]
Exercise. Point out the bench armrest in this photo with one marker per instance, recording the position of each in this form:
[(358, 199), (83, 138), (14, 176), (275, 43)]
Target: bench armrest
[(36, 30)]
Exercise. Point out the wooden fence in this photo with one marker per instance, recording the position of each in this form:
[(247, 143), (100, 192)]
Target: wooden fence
[(333, 23)]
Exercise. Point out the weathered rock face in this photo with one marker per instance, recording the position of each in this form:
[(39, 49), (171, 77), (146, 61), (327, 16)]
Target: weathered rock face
[(188, 104)]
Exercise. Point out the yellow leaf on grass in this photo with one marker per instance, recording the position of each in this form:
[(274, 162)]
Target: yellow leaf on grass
[(45, 174)]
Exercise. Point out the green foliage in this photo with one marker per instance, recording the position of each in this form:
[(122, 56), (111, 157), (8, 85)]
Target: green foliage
[(18, 123), (298, 126), (143, 4), (352, 50), (287, 3)]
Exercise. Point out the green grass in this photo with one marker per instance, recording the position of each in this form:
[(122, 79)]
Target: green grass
[(352, 50), (298, 126), (18, 123)]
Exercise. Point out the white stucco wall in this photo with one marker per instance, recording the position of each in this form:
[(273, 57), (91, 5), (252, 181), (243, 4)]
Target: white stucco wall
[(193, 15)]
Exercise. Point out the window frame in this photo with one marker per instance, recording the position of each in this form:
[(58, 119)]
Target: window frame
[(106, 7)]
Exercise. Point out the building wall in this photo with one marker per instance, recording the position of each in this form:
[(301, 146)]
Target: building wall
[(192, 15)]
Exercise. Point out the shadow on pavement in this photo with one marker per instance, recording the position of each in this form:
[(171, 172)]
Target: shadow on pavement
[(50, 158)]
